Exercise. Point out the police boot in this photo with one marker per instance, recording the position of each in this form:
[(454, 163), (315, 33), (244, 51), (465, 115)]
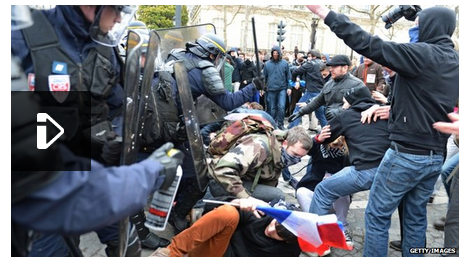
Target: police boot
[(133, 246), (178, 224), (147, 238), (184, 205)]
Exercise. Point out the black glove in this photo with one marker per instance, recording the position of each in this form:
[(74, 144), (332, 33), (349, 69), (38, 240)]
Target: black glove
[(170, 159), (259, 82), (293, 117), (111, 151)]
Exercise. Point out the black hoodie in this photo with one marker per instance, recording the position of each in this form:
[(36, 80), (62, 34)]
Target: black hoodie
[(367, 143), (247, 72), (427, 82)]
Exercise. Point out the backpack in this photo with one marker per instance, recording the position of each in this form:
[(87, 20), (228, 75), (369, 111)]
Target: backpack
[(232, 130)]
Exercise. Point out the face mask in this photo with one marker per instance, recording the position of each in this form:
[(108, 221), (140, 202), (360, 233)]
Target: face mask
[(287, 159), (331, 152), (414, 34)]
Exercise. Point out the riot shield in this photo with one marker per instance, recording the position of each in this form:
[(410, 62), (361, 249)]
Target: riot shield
[(131, 117), (131, 102), (192, 124), (177, 37), (207, 111), (153, 54)]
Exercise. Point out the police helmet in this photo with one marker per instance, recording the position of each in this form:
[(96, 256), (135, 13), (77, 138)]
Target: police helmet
[(138, 26), (109, 34), (212, 43), (134, 25)]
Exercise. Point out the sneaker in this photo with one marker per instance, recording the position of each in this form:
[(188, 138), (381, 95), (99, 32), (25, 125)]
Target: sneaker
[(440, 223), (349, 239), (395, 245), (313, 254), (327, 252)]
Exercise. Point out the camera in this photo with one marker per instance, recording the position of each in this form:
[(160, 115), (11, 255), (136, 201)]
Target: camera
[(408, 11)]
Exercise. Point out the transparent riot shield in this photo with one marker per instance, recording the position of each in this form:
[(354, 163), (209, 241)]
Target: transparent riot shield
[(191, 124), (153, 54), (207, 111), (131, 118), (174, 38), (177, 37)]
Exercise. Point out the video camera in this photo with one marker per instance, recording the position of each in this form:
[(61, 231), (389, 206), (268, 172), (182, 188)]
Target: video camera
[(409, 11)]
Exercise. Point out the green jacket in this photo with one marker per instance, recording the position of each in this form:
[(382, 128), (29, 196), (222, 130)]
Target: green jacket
[(252, 154)]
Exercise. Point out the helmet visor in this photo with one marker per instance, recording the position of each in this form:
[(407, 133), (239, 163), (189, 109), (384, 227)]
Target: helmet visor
[(219, 61), (110, 24), (20, 17)]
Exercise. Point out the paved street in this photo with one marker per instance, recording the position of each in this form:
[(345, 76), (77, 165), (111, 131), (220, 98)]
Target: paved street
[(91, 247)]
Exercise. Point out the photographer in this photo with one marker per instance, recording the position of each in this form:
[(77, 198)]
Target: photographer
[(411, 165)]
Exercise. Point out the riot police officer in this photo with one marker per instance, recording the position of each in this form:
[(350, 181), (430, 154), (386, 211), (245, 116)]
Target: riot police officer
[(84, 62), (203, 60)]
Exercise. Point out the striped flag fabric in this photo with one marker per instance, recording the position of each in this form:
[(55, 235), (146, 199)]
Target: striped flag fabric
[(314, 233)]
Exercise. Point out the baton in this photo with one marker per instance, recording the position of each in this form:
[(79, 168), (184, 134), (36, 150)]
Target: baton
[(258, 69)]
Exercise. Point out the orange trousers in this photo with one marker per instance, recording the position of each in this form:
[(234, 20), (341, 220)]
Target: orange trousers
[(209, 236)]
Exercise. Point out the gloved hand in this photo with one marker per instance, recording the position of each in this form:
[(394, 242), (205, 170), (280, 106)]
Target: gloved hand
[(111, 151), (293, 117), (259, 83), (170, 159)]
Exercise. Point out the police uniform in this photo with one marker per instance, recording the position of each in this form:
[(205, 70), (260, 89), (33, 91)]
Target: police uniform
[(58, 55)]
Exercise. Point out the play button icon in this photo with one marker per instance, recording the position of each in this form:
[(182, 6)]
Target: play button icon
[(42, 143)]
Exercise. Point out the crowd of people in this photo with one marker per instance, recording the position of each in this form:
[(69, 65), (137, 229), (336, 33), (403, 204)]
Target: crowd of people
[(382, 126)]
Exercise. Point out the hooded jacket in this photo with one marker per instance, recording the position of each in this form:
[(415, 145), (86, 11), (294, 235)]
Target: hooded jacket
[(247, 72), (237, 63), (277, 72), (367, 143), (311, 72), (426, 87)]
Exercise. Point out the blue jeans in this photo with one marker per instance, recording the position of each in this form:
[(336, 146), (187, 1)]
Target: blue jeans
[(277, 106), (400, 176), (447, 168), (319, 113), (347, 181)]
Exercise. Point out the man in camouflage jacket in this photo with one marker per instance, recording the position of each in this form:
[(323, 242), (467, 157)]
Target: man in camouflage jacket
[(253, 165)]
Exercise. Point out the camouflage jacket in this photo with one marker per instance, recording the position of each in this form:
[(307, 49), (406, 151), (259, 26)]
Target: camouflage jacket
[(252, 153)]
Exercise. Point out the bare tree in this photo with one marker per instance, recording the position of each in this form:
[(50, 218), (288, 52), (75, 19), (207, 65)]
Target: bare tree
[(223, 8), (392, 32), (374, 13)]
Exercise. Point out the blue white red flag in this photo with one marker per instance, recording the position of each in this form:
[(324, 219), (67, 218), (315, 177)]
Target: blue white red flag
[(314, 233)]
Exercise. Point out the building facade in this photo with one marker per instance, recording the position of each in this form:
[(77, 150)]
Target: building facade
[(234, 24)]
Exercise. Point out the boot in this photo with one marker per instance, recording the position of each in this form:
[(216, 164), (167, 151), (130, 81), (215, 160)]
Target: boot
[(185, 203), (133, 246), (147, 238), (178, 224)]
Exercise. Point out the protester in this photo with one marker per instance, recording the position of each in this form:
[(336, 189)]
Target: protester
[(415, 143)]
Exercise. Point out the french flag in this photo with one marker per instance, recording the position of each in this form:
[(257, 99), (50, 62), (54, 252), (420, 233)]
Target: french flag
[(314, 233)]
